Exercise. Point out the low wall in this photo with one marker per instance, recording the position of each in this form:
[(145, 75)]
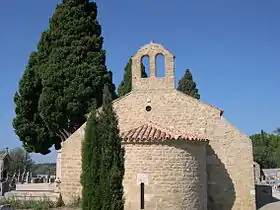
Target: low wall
[(263, 195), (35, 187)]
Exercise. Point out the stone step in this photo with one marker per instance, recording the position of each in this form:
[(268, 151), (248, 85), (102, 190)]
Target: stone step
[(35, 187), (33, 195)]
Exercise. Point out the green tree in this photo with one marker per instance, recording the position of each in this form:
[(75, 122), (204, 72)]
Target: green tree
[(112, 162), (264, 149), (277, 132), (188, 86), (70, 73), (28, 124), (44, 168), (20, 160), (126, 84), (102, 159), (91, 159)]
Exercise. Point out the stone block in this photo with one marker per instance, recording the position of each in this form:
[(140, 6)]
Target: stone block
[(29, 195), (35, 187)]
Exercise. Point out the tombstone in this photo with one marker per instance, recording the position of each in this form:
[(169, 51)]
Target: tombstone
[(4, 187), (4, 165), (22, 176), (14, 176), (48, 178), (27, 178), (42, 180), (13, 184), (18, 176), (52, 179)]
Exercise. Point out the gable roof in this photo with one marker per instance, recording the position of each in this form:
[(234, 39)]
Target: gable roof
[(150, 132), (202, 102), (179, 92), (183, 94)]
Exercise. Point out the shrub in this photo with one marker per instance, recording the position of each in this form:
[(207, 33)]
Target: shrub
[(43, 203)]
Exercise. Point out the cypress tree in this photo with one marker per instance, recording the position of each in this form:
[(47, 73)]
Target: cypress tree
[(188, 86), (112, 161), (29, 125), (91, 159), (126, 84), (71, 73)]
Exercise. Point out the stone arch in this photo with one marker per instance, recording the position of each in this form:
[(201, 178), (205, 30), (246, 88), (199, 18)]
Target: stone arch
[(145, 61), (160, 65)]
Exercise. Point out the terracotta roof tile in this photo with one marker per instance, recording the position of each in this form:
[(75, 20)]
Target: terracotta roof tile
[(151, 132)]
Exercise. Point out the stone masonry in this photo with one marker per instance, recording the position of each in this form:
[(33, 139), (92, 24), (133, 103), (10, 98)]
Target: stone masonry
[(194, 160)]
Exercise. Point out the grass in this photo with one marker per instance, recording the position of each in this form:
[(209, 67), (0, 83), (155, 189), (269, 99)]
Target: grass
[(41, 204)]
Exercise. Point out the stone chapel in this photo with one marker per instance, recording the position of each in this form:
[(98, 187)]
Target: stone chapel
[(180, 152)]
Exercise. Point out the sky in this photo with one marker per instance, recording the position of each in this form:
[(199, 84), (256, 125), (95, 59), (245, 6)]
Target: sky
[(231, 47)]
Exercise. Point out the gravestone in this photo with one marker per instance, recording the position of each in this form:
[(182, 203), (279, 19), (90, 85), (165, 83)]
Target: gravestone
[(4, 187), (18, 176), (27, 178), (4, 165)]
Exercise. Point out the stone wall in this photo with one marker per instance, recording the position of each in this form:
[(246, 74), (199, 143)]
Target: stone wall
[(71, 166), (230, 161), (174, 175), (58, 164)]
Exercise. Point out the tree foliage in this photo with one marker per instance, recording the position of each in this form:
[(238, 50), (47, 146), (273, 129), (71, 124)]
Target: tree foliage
[(44, 168), (188, 86), (112, 165), (28, 124), (266, 149), (102, 160), (20, 160), (63, 78), (91, 159), (126, 84)]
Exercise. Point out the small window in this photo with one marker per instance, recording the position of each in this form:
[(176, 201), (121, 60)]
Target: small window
[(148, 108), (142, 186)]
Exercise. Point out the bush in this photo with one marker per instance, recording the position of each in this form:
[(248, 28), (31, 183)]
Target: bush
[(30, 204)]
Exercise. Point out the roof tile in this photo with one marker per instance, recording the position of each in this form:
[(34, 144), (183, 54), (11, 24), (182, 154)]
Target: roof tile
[(151, 132)]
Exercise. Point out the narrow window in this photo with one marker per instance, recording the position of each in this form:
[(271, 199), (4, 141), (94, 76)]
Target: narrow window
[(142, 185), (160, 65), (145, 66)]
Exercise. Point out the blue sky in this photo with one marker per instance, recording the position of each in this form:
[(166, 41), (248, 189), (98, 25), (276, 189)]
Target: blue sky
[(231, 47)]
